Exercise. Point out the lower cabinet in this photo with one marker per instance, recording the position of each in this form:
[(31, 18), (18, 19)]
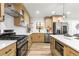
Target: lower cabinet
[(70, 52), (38, 37), (9, 50), (67, 51), (29, 42), (52, 46)]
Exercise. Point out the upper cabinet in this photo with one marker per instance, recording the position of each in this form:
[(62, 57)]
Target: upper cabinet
[(1, 12), (57, 18), (24, 18), (48, 23)]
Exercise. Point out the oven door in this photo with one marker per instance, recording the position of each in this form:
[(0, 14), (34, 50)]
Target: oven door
[(22, 51)]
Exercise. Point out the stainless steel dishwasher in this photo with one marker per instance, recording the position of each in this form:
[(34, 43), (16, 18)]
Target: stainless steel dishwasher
[(47, 37)]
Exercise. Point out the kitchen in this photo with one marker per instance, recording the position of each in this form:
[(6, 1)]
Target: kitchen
[(30, 29)]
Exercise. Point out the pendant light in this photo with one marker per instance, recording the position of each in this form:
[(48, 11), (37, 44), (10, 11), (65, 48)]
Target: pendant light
[(63, 12)]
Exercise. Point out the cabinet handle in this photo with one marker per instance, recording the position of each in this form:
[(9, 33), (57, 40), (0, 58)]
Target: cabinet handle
[(8, 51)]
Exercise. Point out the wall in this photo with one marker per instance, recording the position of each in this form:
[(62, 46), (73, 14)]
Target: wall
[(72, 24), (37, 20)]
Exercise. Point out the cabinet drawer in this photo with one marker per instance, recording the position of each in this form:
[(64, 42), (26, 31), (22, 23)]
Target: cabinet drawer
[(10, 53), (7, 50)]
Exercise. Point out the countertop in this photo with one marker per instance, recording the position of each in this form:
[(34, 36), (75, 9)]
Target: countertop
[(32, 32), (69, 41), (28, 33), (5, 43)]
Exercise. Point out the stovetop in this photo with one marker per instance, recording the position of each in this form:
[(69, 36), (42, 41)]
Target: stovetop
[(13, 37)]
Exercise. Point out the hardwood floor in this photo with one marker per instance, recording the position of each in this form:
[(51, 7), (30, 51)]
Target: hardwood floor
[(40, 49)]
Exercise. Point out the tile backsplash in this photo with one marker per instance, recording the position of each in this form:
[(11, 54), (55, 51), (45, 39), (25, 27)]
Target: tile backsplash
[(9, 24)]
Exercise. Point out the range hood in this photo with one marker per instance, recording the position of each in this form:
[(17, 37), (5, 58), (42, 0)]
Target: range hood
[(12, 12)]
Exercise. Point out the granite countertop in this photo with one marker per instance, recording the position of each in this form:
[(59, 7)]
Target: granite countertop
[(5, 43), (70, 41)]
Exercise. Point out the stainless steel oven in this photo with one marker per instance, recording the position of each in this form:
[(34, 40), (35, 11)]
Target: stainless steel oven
[(22, 47), (59, 47), (22, 50)]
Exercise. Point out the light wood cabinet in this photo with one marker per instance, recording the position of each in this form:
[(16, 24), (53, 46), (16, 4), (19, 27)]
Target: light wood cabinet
[(70, 52), (17, 21), (9, 50), (48, 23), (38, 37), (29, 42), (24, 17), (1, 12), (57, 18), (54, 52), (52, 45)]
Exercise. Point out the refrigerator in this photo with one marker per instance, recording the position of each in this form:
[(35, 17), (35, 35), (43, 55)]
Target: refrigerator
[(60, 28)]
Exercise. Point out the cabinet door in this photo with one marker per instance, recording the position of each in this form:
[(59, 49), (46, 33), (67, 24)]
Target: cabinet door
[(35, 37), (41, 37), (9, 50), (38, 37), (29, 42), (57, 18), (1, 11), (70, 52), (52, 45), (48, 24), (17, 21)]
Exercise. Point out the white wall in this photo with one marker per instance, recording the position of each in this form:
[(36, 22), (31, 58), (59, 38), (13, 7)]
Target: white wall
[(72, 26), (37, 20)]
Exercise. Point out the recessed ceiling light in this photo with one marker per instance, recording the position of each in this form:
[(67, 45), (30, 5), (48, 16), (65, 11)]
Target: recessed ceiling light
[(53, 12), (37, 12), (68, 12)]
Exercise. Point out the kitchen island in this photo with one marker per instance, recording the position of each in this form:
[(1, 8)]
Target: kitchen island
[(63, 45)]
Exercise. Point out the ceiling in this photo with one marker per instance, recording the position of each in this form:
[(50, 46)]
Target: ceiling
[(45, 9)]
